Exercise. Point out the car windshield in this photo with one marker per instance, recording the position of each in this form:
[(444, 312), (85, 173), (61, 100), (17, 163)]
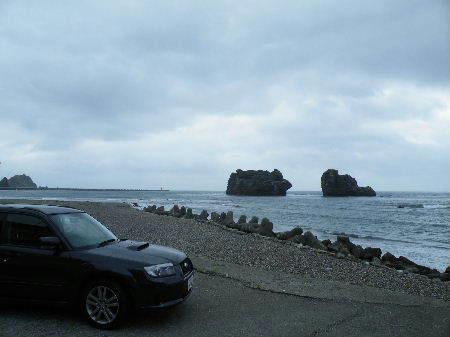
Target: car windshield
[(82, 230)]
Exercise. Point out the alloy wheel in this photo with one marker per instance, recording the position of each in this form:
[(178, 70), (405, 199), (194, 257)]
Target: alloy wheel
[(102, 304)]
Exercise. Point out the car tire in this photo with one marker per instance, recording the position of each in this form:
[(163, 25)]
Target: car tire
[(104, 304)]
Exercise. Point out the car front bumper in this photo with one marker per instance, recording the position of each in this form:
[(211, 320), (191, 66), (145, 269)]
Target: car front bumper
[(168, 304), (163, 293)]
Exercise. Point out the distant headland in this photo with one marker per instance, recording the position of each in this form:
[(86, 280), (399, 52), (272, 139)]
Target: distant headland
[(24, 182), (17, 181)]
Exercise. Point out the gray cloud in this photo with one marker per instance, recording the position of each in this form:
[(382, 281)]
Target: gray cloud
[(162, 92)]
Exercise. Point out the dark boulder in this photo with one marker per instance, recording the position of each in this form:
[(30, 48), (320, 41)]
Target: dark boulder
[(369, 253), (4, 182), (182, 211), (388, 257), (175, 211), (289, 234), (357, 251), (376, 261), (309, 239), (326, 242), (160, 210), (242, 219), (405, 261), (423, 270), (343, 246), (21, 181), (215, 217), (296, 238), (189, 214), (229, 219), (336, 185), (257, 183), (445, 277), (345, 240), (150, 209), (434, 273), (266, 225), (390, 260), (254, 219), (203, 215), (412, 269), (338, 247), (256, 228)]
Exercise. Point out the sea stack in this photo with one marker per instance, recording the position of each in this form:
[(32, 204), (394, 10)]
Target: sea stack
[(4, 182), (21, 181), (336, 185), (257, 183)]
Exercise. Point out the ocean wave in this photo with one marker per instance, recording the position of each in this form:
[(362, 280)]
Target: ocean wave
[(410, 206), (437, 206), (345, 234), (440, 225), (377, 238)]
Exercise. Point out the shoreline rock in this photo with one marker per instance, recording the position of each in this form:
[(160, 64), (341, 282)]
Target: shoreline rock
[(341, 248), (335, 185)]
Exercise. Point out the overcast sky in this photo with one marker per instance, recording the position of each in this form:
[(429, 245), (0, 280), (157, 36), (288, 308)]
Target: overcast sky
[(179, 94)]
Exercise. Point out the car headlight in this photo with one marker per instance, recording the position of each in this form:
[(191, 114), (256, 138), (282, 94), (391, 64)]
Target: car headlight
[(160, 270)]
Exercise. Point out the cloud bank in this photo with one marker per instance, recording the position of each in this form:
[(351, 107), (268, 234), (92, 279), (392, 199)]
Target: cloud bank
[(144, 94)]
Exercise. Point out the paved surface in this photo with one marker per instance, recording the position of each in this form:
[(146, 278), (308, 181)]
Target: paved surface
[(222, 306)]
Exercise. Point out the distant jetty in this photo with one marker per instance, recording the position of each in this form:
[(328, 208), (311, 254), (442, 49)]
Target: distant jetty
[(79, 189), (25, 183)]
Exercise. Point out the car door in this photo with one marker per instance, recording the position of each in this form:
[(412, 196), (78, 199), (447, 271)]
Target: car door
[(4, 289), (30, 270)]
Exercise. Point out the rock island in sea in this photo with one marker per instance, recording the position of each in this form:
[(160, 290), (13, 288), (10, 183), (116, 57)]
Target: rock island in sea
[(336, 185), (257, 183)]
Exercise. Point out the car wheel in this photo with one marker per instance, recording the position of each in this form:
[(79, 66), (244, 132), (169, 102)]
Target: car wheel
[(104, 304)]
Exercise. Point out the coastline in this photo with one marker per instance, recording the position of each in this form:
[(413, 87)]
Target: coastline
[(79, 189), (217, 243)]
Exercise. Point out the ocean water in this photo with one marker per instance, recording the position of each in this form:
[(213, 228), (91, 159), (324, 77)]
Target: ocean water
[(422, 234)]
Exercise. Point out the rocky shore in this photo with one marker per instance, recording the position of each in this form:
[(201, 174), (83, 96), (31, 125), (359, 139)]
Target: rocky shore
[(341, 248), (219, 242)]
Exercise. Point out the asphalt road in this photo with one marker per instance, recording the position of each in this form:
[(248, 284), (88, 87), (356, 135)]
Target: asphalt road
[(224, 307)]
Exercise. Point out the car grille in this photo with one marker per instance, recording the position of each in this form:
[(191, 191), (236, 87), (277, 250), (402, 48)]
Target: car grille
[(187, 266)]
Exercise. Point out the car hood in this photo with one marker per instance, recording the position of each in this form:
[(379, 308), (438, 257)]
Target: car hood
[(140, 252)]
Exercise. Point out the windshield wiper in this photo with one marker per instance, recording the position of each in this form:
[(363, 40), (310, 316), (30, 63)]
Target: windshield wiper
[(104, 243)]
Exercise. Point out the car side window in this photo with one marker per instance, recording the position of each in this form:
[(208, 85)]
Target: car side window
[(25, 230)]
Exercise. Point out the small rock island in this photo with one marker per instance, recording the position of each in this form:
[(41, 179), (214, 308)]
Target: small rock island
[(336, 185), (257, 183), (18, 181)]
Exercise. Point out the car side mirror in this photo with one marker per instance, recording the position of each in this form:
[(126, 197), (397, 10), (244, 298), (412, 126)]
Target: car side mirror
[(50, 241)]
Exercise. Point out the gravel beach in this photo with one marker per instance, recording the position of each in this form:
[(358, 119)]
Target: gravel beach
[(217, 243)]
